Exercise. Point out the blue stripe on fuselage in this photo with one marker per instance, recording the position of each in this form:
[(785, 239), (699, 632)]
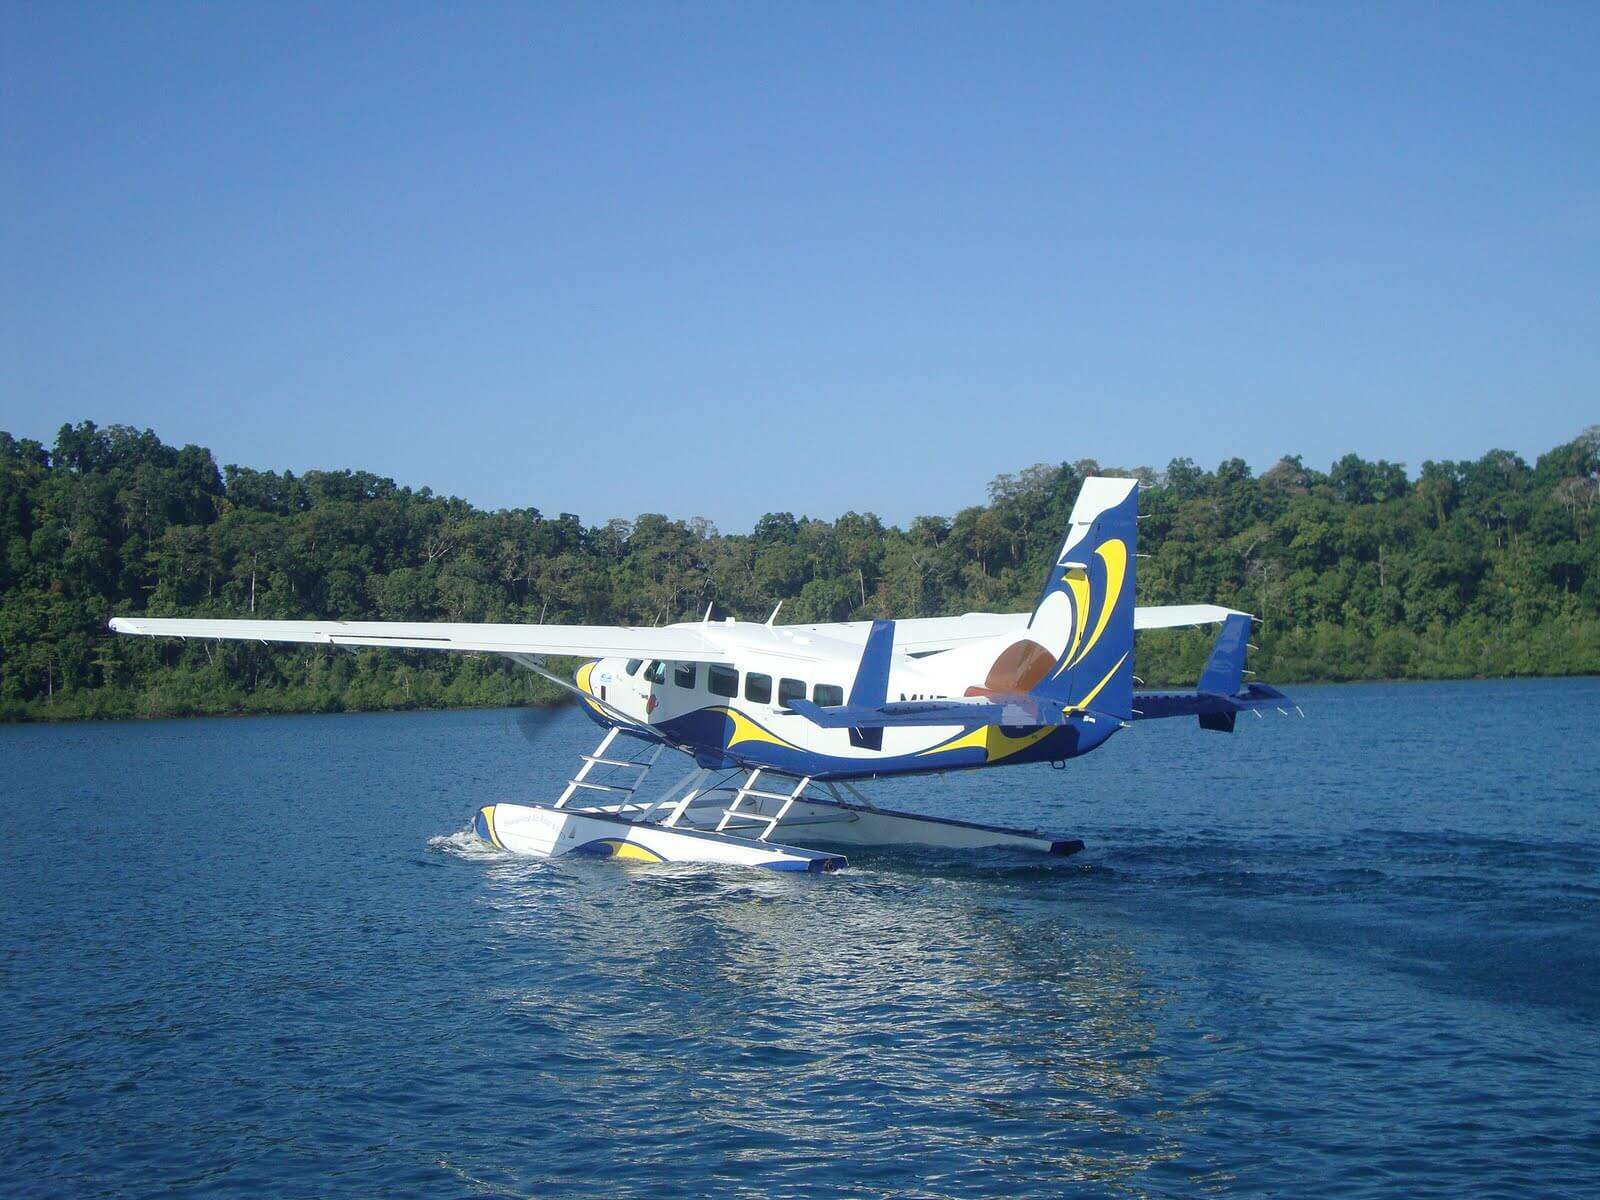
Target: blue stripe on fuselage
[(706, 733)]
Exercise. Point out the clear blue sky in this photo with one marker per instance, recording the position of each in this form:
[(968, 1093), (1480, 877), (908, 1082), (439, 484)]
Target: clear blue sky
[(719, 260)]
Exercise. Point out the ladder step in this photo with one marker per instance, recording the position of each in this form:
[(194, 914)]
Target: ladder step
[(771, 795), (615, 762)]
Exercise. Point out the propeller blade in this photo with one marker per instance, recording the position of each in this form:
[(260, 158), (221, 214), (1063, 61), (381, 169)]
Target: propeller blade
[(536, 665), (535, 722)]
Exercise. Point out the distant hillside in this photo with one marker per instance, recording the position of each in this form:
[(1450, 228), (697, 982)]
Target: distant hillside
[(1363, 571)]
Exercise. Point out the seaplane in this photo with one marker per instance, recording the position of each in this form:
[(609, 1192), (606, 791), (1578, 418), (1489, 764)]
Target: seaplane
[(780, 724)]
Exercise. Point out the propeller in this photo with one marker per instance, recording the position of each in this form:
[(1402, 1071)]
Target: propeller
[(573, 694), (534, 722)]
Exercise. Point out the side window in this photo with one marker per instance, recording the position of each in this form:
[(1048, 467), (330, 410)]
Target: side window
[(790, 689), (758, 688), (827, 695), (723, 681), (656, 672), (683, 675), (634, 664)]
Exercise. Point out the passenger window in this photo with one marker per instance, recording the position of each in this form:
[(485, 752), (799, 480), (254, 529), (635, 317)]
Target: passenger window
[(634, 664), (758, 688), (656, 672), (790, 689), (683, 675), (827, 695), (723, 681)]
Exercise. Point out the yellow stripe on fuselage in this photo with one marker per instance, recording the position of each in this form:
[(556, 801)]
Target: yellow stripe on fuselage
[(997, 744), (993, 741), (582, 678), (746, 730)]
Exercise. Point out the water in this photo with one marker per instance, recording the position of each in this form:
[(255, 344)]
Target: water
[(1352, 955)]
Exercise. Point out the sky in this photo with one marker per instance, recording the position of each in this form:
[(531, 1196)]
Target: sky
[(720, 260)]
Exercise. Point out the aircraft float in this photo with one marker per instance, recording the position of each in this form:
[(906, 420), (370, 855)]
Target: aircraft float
[(782, 722)]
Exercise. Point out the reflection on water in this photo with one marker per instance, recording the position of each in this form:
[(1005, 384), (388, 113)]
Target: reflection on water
[(882, 1014)]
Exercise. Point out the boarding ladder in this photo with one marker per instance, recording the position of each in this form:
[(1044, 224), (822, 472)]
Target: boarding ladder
[(751, 819), (623, 790)]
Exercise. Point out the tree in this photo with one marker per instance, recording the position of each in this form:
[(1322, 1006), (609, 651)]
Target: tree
[(1474, 567)]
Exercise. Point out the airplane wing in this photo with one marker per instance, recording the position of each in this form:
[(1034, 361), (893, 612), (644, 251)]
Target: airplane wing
[(924, 635), (1174, 616), (684, 642), (916, 635), (927, 635), (704, 642)]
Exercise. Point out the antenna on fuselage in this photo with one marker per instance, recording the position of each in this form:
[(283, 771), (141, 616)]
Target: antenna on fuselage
[(710, 604), (774, 615)]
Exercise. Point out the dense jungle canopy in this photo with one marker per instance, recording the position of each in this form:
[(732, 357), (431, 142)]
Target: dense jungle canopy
[(1364, 571)]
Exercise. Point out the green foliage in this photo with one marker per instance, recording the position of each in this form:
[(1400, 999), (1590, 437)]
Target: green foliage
[(1472, 568)]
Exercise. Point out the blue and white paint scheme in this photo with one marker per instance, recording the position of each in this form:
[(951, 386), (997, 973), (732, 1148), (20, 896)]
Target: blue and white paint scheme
[(795, 713)]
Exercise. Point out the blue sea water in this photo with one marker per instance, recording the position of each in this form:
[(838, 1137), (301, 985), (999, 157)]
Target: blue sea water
[(1352, 955)]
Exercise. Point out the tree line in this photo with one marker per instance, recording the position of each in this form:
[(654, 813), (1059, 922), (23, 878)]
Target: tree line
[(1481, 568)]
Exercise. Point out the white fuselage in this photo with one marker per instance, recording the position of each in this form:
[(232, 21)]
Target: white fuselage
[(769, 664)]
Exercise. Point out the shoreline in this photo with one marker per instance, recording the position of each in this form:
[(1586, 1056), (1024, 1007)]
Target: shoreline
[(227, 714), (562, 701)]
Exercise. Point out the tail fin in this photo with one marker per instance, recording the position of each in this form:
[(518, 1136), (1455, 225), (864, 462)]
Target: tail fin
[(1224, 671), (1078, 648)]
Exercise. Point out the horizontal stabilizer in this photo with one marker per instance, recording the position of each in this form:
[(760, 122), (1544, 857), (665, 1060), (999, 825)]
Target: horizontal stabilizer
[(1149, 706), (1013, 711), (1221, 694)]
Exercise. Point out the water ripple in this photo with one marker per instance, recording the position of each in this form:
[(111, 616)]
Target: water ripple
[(250, 956)]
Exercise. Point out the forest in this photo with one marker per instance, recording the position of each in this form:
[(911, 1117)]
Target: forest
[(1362, 571)]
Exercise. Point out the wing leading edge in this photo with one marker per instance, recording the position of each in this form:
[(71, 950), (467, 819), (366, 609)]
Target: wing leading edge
[(577, 641), (705, 642)]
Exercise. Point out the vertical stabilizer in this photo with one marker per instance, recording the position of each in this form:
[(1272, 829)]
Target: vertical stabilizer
[(1078, 647), (1224, 673)]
